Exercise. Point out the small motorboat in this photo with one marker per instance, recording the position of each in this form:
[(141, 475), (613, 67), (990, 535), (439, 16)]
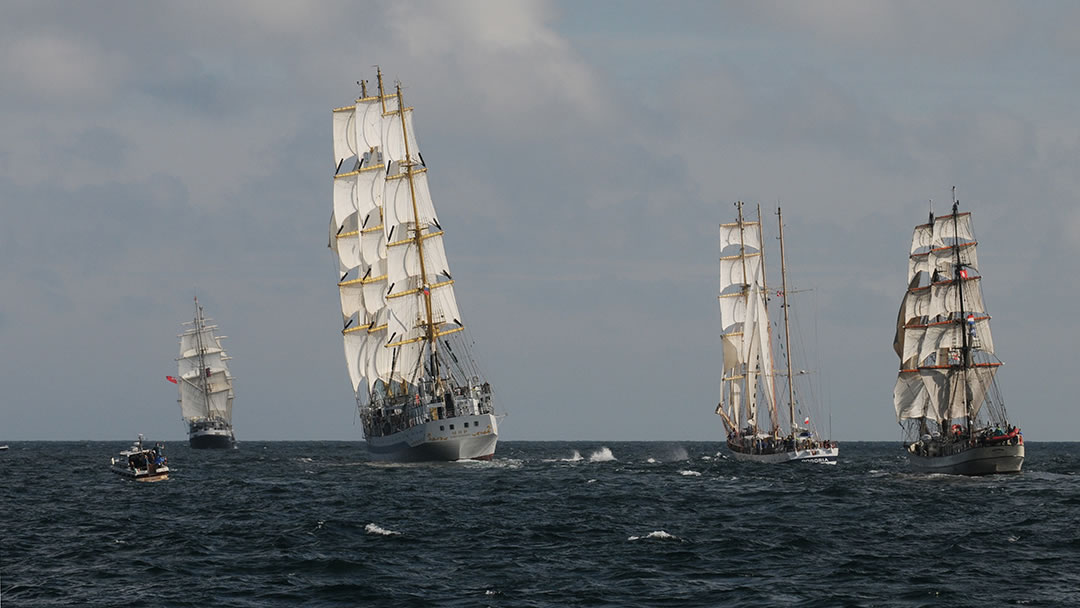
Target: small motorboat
[(142, 463)]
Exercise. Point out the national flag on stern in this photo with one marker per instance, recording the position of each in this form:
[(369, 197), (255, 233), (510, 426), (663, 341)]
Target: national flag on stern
[(171, 379)]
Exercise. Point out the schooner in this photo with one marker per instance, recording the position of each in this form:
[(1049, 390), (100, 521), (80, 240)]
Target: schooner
[(946, 395), (756, 430), (419, 392)]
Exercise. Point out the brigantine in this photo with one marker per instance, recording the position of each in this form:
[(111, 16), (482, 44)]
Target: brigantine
[(205, 384), (747, 382), (946, 395), (419, 392)]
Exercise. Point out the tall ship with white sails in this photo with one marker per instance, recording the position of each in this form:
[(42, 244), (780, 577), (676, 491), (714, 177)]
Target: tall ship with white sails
[(946, 395), (420, 393), (206, 384), (757, 429)]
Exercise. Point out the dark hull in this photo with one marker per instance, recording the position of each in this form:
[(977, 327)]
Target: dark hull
[(982, 460), (211, 442)]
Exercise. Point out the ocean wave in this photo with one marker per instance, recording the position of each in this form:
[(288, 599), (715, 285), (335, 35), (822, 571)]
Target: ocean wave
[(376, 529), (657, 535)]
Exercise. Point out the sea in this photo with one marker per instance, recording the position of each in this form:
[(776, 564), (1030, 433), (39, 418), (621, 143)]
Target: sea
[(543, 524)]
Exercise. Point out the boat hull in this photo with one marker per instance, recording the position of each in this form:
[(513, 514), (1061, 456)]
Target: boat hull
[(471, 437), (211, 438), (161, 474), (981, 460), (816, 456)]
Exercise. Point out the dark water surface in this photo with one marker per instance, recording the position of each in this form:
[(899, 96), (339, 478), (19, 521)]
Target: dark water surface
[(544, 524)]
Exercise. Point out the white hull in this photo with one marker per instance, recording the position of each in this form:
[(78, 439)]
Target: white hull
[(159, 474), (816, 455), (982, 460), (471, 437)]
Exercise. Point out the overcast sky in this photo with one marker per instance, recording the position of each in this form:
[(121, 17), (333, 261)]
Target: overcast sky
[(581, 155)]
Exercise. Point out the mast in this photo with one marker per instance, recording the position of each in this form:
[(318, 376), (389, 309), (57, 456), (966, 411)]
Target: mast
[(418, 238), (202, 360), (965, 348), (382, 98), (748, 395), (787, 326), (768, 326)]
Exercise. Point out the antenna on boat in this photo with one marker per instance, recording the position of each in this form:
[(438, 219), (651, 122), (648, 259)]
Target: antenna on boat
[(931, 221)]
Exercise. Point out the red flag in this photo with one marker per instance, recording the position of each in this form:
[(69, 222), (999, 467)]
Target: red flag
[(171, 379), (963, 273), (807, 421)]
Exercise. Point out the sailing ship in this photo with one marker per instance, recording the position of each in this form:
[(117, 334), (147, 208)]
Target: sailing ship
[(946, 394), (756, 430), (205, 384), (141, 463), (419, 391)]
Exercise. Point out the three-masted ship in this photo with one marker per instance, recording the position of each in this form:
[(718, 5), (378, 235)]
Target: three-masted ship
[(419, 392), (756, 429), (206, 385), (946, 394)]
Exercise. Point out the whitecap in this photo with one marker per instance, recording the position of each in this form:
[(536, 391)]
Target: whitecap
[(689, 473), (601, 455), (375, 529), (658, 534), (575, 456)]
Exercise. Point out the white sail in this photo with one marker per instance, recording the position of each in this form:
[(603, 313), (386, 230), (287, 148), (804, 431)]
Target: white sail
[(732, 312), (913, 340), (945, 378), (980, 378), (344, 141), (398, 205), (747, 354), (192, 365), (910, 396), (394, 143), (919, 262), (203, 377), (917, 304), (922, 239), (387, 292), (948, 232), (935, 382), (737, 271), (355, 357), (764, 349), (945, 298), (356, 131), (944, 260), (739, 235)]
